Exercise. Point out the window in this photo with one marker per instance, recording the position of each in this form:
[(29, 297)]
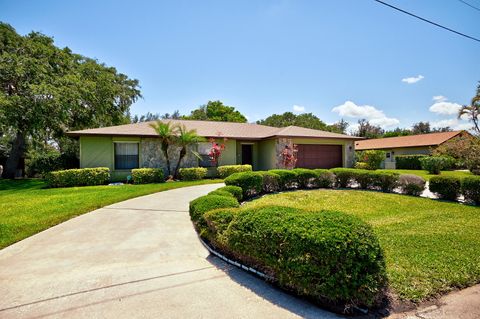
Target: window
[(203, 151), (126, 155)]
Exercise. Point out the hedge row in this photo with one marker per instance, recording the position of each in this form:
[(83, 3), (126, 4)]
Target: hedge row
[(78, 177), (192, 173), (227, 170), (450, 188), (147, 175), (408, 161)]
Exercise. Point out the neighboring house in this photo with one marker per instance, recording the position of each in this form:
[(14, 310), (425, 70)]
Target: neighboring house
[(124, 147), (407, 145)]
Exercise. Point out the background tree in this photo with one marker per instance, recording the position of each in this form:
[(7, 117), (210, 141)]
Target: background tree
[(216, 111), (472, 111), (174, 116), (398, 132), (307, 120), (367, 130), (421, 128), (339, 127), (148, 117), (45, 91)]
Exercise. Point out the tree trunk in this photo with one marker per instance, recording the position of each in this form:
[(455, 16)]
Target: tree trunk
[(167, 159), (16, 153), (183, 151)]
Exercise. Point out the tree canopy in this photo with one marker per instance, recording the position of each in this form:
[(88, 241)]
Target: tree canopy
[(472, 111), (308, 120), (216, 111), (46, 90)]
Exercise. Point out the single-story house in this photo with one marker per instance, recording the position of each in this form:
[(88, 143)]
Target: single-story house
[(407, 145), (124, 147)]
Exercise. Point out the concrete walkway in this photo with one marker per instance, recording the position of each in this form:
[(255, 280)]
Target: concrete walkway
[(136, 259)]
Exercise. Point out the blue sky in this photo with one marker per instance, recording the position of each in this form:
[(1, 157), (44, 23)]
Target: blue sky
[(334, 58)]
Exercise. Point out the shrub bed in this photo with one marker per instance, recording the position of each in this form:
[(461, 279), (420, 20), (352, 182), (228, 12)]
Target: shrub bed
[(271, 182), (192, 173), (147, 175), (344, 176), (78, 177), (385, 181), (411, 184), (471, 189), (408, 161), (434, 164), (203, 204), (288, 178), (236, 191), (325, 178), (250, 182), (306, 178), (446, 187), (227, 170)]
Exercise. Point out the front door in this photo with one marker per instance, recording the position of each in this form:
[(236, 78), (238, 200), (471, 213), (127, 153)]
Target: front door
[(247, 154)]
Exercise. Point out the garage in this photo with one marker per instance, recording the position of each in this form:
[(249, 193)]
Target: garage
[(319, 156)]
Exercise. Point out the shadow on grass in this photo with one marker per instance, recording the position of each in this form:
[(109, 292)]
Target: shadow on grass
[(21, 184)]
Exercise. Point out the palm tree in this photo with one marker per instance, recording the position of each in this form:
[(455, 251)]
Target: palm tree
[(472, 111), (185, 138), (166, 133)]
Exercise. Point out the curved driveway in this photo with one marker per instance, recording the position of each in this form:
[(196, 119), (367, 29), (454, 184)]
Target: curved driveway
[(140, 258)]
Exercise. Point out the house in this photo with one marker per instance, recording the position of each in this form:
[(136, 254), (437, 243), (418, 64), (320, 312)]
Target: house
[(124, 147), (407, 145)]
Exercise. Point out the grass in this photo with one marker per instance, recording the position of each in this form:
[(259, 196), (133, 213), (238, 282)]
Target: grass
[(431, 247), (426, 175), (27, 207)]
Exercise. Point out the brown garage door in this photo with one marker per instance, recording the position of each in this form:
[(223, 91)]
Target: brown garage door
[(319, 156)]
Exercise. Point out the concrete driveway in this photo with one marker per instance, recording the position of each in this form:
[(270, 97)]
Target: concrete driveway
[(140, 258)]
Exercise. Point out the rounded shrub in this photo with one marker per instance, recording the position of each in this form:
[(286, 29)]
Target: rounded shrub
[(325, 178), (344, 176), (78, 177), (361, 165), (216, 223), (271, 182), (221, 193), (327, 256), (192, 173), (147, 175), (288, 178), (373, 158), (203, 204), (411, 184), (385, 181), (446, 187), (408, 161), (250, 182), (434, 164), (471, 189), (227, 170), (307, 178), (236, 191), (364, 178)]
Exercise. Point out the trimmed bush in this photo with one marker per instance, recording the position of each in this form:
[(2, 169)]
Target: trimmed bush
[(227, 170), (446, 187), (471, 189), (307, 178), (325, 178), (344, 176), (78, 177), (147, 175), (288, 178), (236, 191), (434, 164), (250, 182), (192, 173), (221, 193), (216, 223), (373, 158), (326, 256), (271, 182), (361, 165), (411, 184), (203, 204), (408, 161), (364, 178), (385, 181)]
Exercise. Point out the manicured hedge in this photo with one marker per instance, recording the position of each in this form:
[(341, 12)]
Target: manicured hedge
[(250, 182), (288, 178), (326, 256), (306, 178), (408, 161), (227, 170), (471, 189), (206, 203), (434, 164), (271, 182), (220, 192), (236, 191), (411, 184), (385, 181), (78, 177), (147, 175), (446, 187), (344, 176), (192, 173), (325, 178)]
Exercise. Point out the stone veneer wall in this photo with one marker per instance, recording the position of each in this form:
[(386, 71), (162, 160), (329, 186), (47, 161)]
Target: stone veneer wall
[(152, 156), (280, 145)]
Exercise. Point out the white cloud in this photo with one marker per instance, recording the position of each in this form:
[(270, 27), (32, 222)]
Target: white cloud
[(442, 106), (413, 79), (372, 114), (298, 109), (455, 124)]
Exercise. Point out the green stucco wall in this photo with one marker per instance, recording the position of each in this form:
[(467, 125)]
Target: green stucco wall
[(267, 157)]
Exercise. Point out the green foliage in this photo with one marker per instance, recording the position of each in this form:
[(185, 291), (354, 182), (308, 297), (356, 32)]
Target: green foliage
[(408, 161), (364, 178), (344, 176), (166, 136), (361, 165), (250, 182), (307, 120), (183, 139), (221, 193), (216, 223), (78, 177), (236, 191), (271, 182), (446, 187), (434, 164), (307, 252), (373, 158), (227, 170), (192, 173), (203, 204), (45, 161), (306, 178), (471, 189), (411, 184), (288, 178), (386, 181), (147, 175), (216, 111), (325, 178)]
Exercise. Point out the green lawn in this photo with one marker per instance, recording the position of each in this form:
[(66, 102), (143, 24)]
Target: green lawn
[(431, 247), (426, 175), (27, 207)]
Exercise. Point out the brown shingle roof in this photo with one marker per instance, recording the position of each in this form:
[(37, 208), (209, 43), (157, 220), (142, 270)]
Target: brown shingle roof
[(431, 139), (213, 129)]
